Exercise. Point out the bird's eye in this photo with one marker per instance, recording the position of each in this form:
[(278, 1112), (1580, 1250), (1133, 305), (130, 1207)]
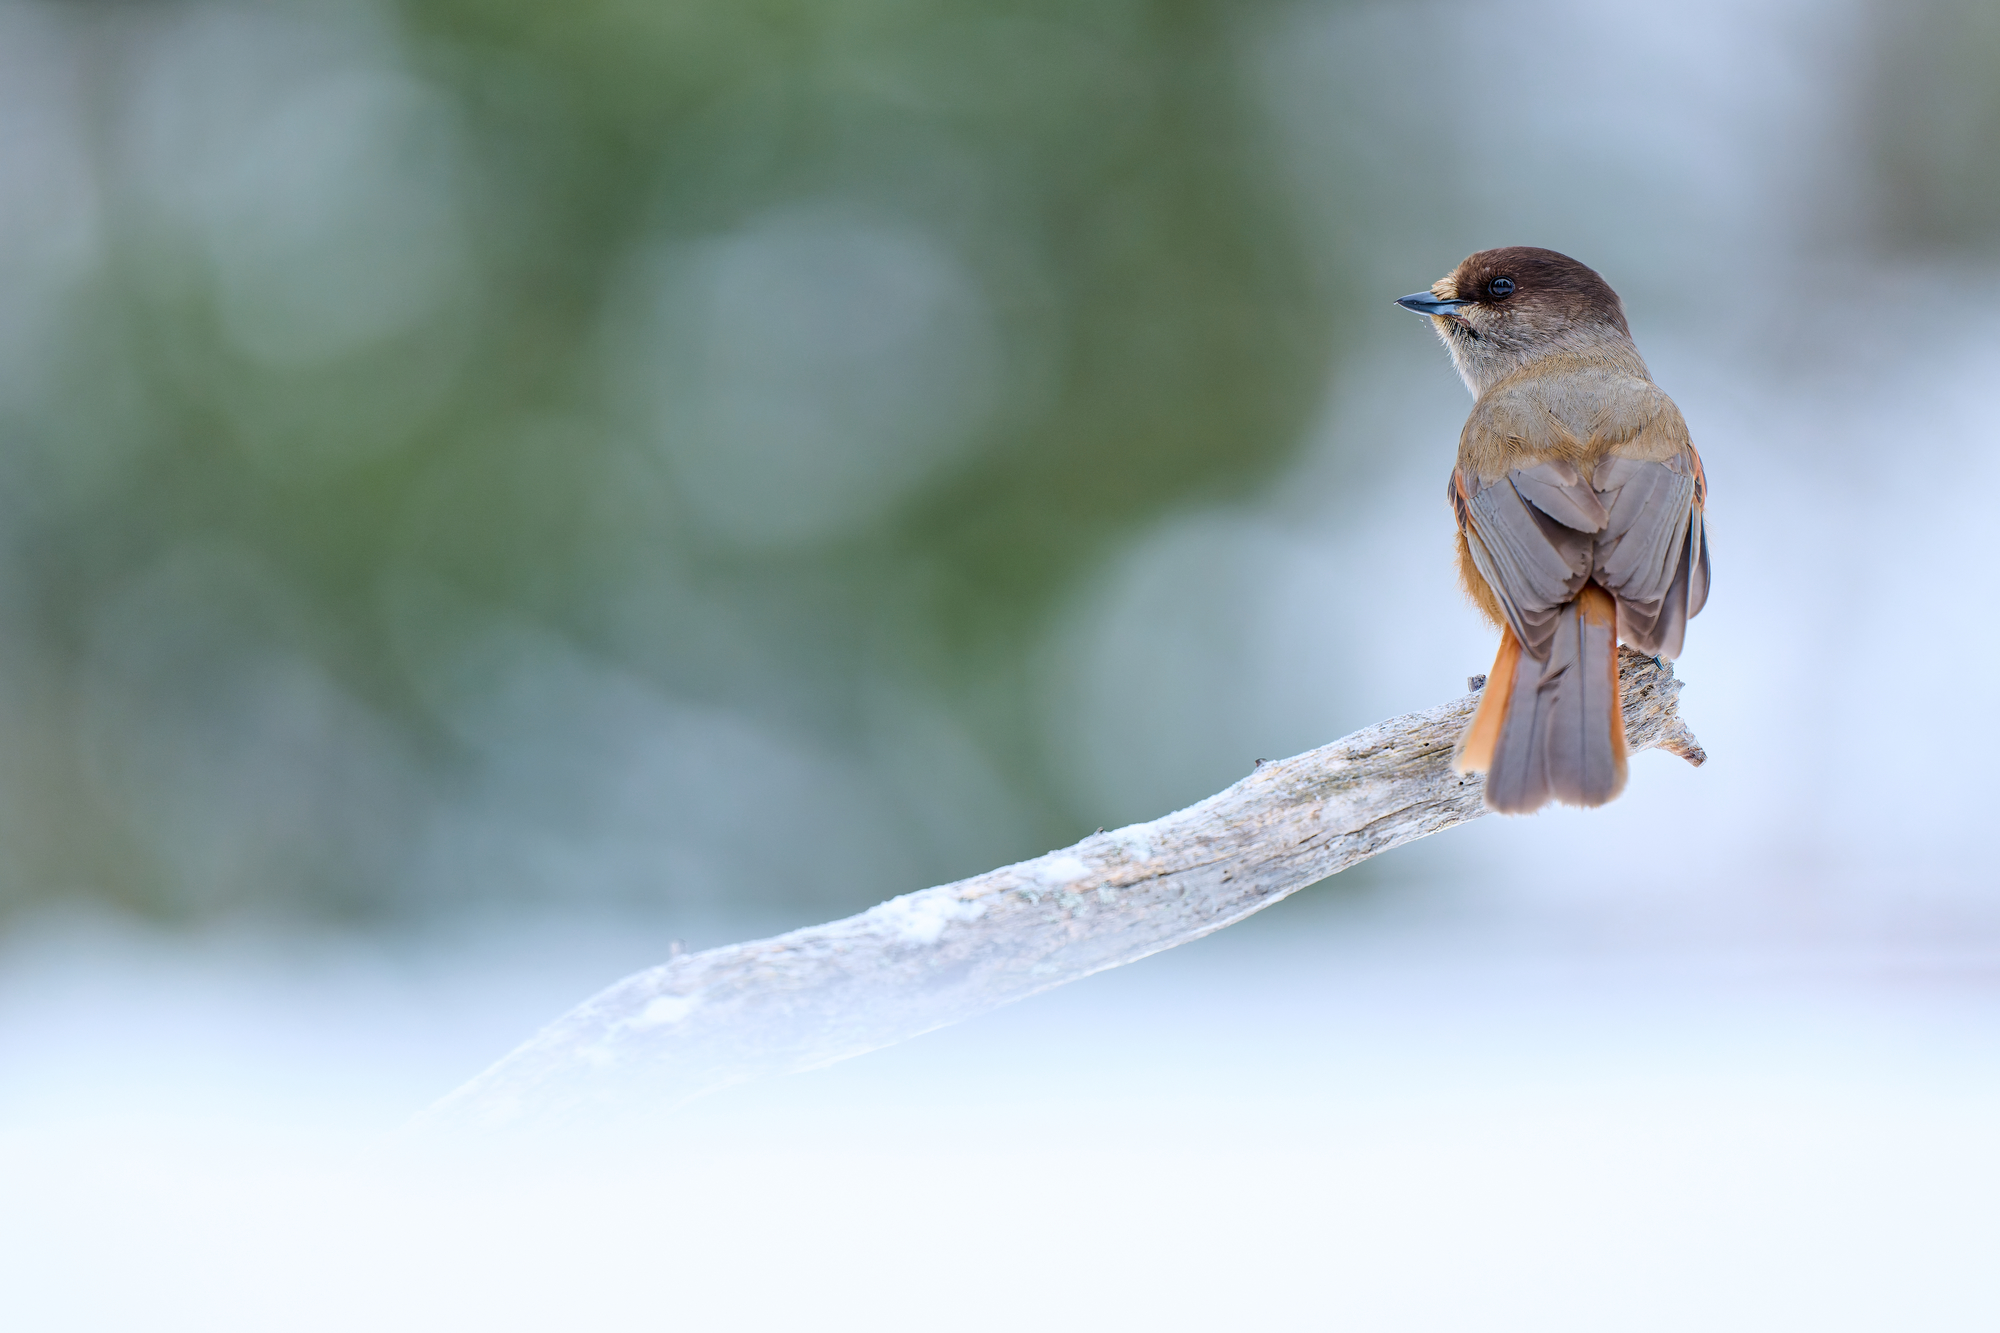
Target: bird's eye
[(1500, 288)]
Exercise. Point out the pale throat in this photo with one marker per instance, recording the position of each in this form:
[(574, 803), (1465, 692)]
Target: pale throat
[(1484, 361)]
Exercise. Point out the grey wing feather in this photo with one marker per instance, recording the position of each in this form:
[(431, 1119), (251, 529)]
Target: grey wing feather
[(1531, 561), (1652, 554), (1558, 490), (1698, 574)]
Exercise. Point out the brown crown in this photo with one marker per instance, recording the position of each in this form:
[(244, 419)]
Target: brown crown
[(1541, 278)]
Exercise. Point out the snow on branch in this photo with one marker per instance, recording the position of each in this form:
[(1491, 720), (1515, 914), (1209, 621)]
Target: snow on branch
[(806, 999)]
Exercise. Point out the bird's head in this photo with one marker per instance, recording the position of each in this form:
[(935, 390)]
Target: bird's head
[(1501, 309)]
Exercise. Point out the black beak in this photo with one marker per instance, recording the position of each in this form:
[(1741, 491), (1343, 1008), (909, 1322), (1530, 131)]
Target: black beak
[(1424, 303)]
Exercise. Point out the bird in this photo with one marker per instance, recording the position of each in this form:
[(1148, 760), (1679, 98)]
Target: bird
[(1580, 503)]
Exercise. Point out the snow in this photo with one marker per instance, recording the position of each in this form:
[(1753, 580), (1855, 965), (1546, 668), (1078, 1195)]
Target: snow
[(668, 1009), (1330, 1116), (920, 918)]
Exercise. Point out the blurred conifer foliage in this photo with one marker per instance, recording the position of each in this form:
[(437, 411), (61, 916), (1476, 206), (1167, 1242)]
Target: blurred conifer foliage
[(1932, 121), (486, 451)]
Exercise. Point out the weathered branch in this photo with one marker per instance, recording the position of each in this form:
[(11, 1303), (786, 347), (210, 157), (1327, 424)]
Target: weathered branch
[(812, 997)]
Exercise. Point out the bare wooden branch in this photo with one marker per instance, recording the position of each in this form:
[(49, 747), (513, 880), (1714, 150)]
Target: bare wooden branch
[(704, 1021)]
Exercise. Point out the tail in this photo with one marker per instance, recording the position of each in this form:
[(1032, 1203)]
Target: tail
[(1554, 730)]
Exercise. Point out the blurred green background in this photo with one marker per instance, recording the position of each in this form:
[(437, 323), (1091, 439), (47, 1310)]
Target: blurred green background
[(471, 452), (467, 449)]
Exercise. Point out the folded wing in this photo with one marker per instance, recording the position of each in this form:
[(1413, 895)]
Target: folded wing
[(1652, 554), (1635, 529)]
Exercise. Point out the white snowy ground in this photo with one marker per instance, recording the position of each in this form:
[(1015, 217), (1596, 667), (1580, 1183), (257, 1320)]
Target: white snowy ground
[(1335, 1116)]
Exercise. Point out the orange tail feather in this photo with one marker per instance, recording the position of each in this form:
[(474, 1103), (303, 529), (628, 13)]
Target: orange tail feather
[(1597, 607), (1474, 753), (1552, 729)]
